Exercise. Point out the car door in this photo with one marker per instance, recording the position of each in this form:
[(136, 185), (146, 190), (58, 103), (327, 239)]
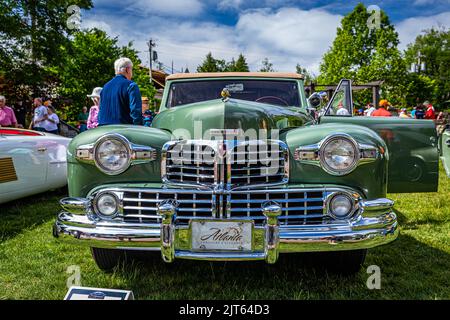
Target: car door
[(445, 150), (412, 143), (25, 156)]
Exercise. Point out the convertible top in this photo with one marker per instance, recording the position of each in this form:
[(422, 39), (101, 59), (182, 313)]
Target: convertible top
[(288, 75)]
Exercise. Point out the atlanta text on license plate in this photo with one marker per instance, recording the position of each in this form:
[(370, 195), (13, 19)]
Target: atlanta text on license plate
[(222, 235)]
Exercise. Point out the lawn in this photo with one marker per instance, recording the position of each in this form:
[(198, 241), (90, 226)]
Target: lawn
[(416, 266)]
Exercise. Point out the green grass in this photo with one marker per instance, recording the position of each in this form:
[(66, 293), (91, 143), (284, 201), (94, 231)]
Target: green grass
[(416, 266)]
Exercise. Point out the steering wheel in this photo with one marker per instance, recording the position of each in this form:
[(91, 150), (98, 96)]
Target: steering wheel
[(273, 98)]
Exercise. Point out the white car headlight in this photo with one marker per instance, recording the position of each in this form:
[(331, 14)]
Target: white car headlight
[(340, 206), (106, 205), (339, 155), (112, 154)]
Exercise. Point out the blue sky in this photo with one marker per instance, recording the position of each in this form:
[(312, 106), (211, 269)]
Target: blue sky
[(286, 31)]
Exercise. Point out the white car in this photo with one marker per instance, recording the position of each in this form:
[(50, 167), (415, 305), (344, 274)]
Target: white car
[(31, 162)]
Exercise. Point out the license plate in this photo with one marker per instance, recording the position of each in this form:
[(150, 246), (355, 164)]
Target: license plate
[(221, 235)]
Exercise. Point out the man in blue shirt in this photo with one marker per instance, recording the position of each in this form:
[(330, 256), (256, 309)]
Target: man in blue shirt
[(120, 99)]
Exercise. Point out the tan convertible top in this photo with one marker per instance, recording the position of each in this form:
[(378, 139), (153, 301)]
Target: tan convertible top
[(289, 75)]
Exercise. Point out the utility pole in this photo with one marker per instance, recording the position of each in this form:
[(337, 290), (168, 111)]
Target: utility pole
[(172, 66), (150, 44)]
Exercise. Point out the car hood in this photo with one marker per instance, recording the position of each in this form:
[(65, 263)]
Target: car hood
[(195, 121)]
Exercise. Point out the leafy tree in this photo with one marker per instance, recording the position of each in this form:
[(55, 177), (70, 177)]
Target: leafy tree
[(267, 66), (32, 33), (364, 54), (431, 50), (300, 70), (240, 65), (210, 64), (90, 63)]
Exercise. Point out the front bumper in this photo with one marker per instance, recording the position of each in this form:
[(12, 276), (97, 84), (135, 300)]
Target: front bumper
[(375, 225)]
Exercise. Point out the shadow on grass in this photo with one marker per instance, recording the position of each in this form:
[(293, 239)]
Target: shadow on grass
[(410, 270), (25, 213)]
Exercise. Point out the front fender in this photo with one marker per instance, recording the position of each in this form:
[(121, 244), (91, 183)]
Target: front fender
[(82, 177), (369, 178)]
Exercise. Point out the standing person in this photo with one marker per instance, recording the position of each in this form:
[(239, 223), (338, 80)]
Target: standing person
[(381, 111), (20, 112), (40, 115), (120, 100), (369, 110), (82, 119), (52, 121), (420, 113), (413, 113), (7, 116), (92, 121), (430, 113)]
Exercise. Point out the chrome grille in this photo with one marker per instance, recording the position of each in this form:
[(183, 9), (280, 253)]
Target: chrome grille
[(190, 162), (230, 163), (141, 206), (298, 207), (258, 162)]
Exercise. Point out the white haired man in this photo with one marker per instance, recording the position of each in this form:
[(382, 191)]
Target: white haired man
[(120, 99), (7, 116)]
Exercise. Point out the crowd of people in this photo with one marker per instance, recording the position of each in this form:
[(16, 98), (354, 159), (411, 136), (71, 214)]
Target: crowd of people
[(119, 102), (123, 104), (421, 111)]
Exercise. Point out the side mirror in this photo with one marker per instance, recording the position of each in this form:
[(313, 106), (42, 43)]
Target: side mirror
[(314, 100)]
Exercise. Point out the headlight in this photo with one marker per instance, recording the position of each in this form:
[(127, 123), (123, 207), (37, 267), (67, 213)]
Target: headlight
[(112, 154), (340, 206), (339, 154), (106, 205)]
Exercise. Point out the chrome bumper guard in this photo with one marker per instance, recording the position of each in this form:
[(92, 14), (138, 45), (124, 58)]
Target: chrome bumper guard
[(376, 224)]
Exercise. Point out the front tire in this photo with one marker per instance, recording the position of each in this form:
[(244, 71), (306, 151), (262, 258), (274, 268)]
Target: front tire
[(108, 259), (345, 262)]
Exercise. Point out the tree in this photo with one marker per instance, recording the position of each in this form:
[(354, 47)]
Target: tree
[(89, 63), (300, 70), (430, 52), (364, 54), (36, 29), (210, 64), (267, 66), (240, 65)]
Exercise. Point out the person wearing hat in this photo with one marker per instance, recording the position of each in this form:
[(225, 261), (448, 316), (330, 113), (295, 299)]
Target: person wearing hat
[(92, 121), (404, 113), (381, 111)]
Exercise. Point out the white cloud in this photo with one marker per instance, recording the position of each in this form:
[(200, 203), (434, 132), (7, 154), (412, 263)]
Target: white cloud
[(410, 28), (286, 36), (176, 8)]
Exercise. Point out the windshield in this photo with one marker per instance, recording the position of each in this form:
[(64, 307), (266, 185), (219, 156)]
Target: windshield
[(280, 93)]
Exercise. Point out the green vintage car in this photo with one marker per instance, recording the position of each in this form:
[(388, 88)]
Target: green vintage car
[(238, 166)]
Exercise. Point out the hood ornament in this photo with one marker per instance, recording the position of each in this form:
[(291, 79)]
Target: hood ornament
[(225, 94)]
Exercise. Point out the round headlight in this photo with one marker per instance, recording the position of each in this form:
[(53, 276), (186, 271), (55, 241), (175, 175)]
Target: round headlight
[(340, 206), (106, 204), (339, 155), (112, 154)]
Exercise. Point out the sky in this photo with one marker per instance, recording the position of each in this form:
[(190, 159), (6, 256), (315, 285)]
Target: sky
[(286, 31)]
